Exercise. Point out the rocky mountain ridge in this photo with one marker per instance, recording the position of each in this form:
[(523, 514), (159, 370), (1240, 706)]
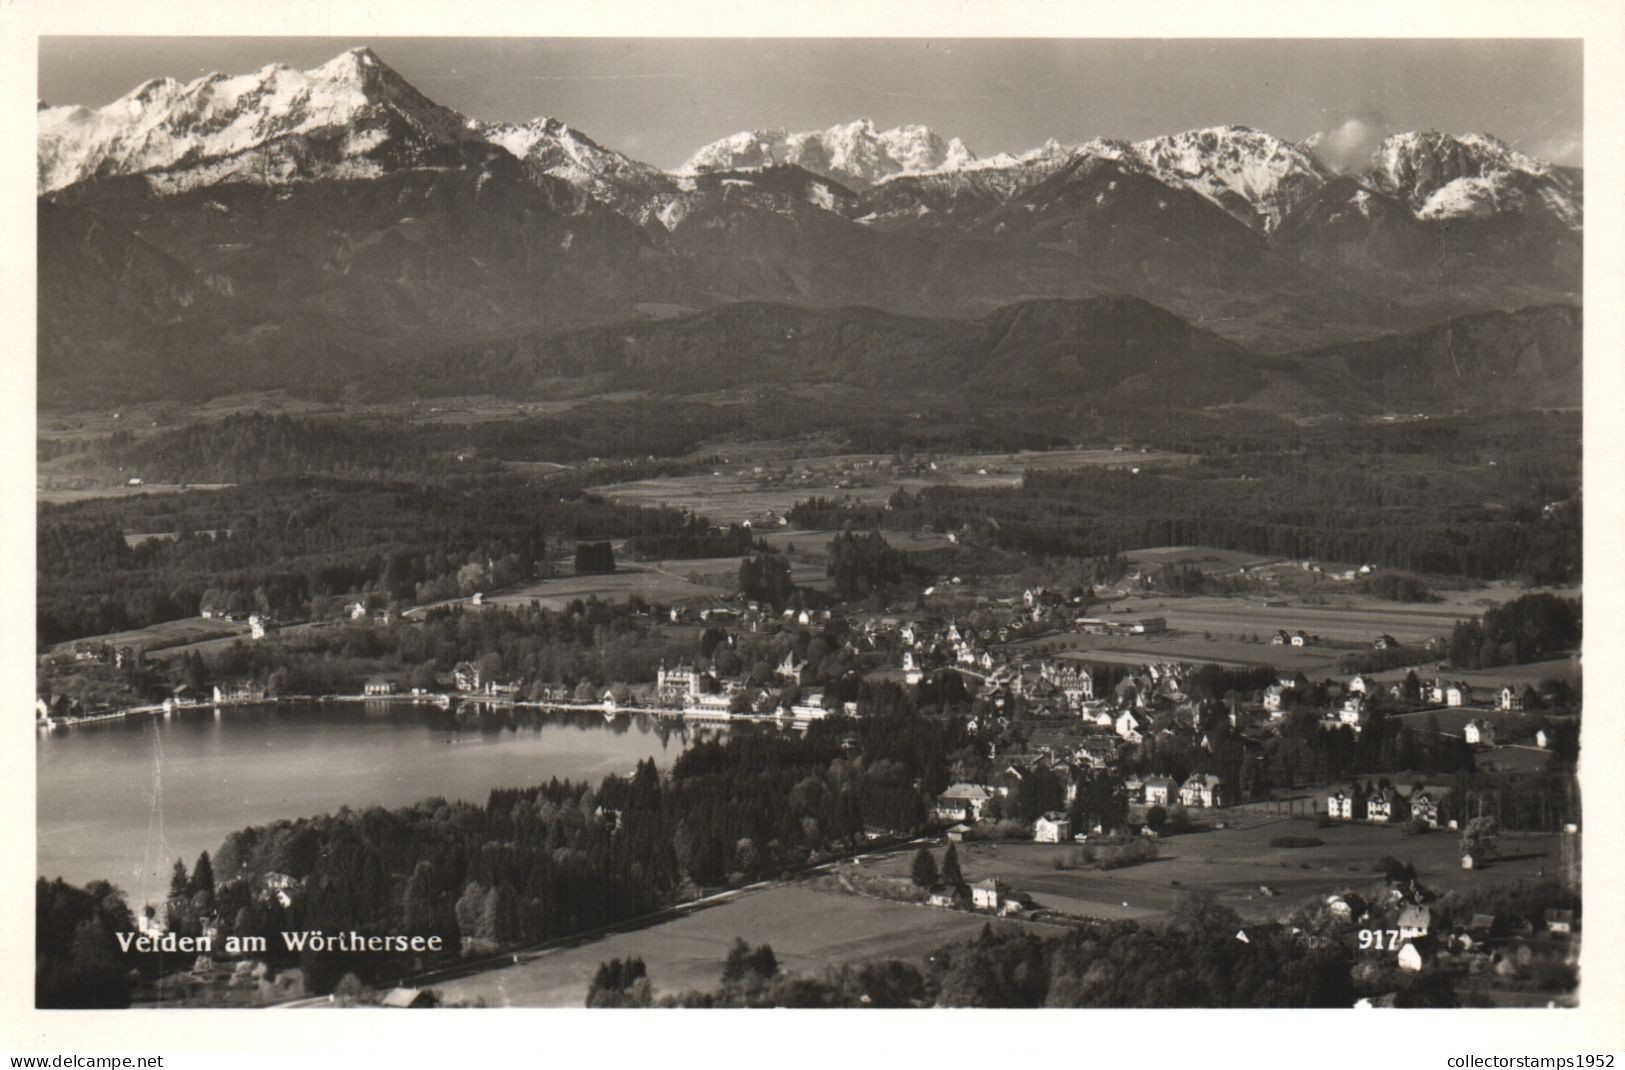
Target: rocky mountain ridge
[(269, 227)]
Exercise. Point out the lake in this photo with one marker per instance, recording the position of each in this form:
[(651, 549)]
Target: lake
[(121, 800)]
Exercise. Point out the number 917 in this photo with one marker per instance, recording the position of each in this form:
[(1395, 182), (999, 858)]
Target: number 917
[(1379, 939)]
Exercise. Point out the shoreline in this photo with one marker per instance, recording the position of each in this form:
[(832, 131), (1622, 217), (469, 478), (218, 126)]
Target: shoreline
[(442, 700)]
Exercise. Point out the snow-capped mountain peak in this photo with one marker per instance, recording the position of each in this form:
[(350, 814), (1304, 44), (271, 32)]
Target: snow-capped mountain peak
[(1254, 176), (857, 154), (564, 152), (1417, 163), (354, 99), (1445, 176)]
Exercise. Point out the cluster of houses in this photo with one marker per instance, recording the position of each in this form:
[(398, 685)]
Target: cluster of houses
[(1412, 933), (1298, 638), (684, 687), (357, 612), (259, 624), (1353, 712), (967, 803), (1384, 805), (1407, 933), (926, 646), (991, 896)]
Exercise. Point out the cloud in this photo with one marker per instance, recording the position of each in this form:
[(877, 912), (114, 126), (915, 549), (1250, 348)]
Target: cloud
[(1564, 147), (1348, 145)]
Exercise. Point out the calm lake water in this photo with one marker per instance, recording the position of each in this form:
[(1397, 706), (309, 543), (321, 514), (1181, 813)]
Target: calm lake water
[(123, 799)]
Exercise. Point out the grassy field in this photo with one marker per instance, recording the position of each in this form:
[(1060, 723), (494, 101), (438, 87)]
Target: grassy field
[(808, 928), (1210, 558), (1237, 862), (169, 633), (812, 544), (58, 495), (748, 490), (1486, 681), (654, 585), (811, 928), (1352, 620), (731, 494), (1314, 662), (1450, 720)]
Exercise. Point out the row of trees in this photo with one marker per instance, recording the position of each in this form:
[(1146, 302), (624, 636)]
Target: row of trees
[(594, 558), (1528, 628), (766, 578), (701, 540), (862, 564)]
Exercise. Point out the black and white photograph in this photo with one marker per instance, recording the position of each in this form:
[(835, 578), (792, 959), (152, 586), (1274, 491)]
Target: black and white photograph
[(1001, 520)]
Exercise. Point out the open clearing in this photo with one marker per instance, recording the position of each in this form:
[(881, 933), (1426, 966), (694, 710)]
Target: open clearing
[(1234, 863), (1210, 558), (168, 633), (1489, 680), (748, 490), (557, 593), (57, 495), (1352, 620), (732, 494), (809, 929), (662, 582), (1138, 650), (813, 543)]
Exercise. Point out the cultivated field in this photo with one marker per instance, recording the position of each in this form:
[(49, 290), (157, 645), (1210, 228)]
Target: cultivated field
[(809, 930), (1313, 662), (1352, 620), (1235, 863), (747, 490)]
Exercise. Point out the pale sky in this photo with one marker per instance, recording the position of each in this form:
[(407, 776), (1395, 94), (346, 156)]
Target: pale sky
[(659, 99)]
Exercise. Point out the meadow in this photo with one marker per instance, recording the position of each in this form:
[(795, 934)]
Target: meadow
[(1237, 864), (809, 929)]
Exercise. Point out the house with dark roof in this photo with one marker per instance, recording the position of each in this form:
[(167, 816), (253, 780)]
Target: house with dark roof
[(1159, 790), (989, 894), (963, 802), (1414, 921), (1202, 789)]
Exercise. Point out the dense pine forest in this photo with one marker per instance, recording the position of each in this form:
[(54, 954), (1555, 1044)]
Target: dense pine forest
[(280, 545)]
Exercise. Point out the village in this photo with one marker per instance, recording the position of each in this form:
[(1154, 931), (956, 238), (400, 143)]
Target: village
[(992, 657), (1084, 759)]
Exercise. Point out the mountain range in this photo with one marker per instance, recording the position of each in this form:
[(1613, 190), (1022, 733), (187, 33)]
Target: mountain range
[(261, 228)]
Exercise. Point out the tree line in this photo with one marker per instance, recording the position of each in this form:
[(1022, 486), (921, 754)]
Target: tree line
[(279, 546)]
